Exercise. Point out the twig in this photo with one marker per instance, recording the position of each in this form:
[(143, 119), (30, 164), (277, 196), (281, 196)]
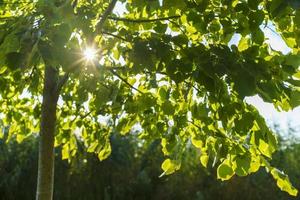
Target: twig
[(31, 74), (273, 31), (16, 3), (193, 123), (62, 81), (113, 35), (190, 84), (178, 26), (115, 68), (125, 81), (107, 12), (143, 20), (84, 116)]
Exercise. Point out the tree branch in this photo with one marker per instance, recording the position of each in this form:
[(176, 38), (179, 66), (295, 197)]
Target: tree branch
[(16, 3), (113, 35), (178, 26), (192, 85), (107, 12), (143, 20), (86, 114), (125, 81), (273, 30), (62, 81), (193, 123)]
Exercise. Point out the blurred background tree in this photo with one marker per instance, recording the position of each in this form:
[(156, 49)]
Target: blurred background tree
[(132, 172)]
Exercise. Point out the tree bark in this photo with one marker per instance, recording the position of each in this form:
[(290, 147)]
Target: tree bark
[(45, 178)]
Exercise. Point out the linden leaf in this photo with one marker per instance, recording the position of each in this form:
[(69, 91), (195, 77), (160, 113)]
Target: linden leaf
[(170, 166), (204, 159), (225, 171)]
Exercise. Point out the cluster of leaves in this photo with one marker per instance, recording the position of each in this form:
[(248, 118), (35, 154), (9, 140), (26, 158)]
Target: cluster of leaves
[(165, 72)]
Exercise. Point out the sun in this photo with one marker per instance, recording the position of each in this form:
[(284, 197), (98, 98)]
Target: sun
[(90, 54)]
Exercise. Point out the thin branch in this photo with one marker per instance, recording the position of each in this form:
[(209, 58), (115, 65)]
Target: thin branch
[(116, 68), (16, 3), (81, 117), (113, 35), (190, 84), (87, 114), (273, 30), (178, 26), (107, 12), (193, 123), (215, 134), (125, 81), (143, 20), (62, 81), (73, 120), (31, 74)]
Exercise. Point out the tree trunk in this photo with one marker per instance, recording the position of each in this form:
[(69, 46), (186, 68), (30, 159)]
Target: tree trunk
[(45, 178)]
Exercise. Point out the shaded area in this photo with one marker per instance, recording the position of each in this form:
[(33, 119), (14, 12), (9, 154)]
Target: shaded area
[(132, 172)]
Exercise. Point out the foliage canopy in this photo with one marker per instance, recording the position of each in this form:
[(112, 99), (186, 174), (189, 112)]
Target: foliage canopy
[(164, 70)]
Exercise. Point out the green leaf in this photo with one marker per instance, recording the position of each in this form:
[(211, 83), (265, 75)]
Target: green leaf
[(171, 3), (293, 60), (283, 182), (20, 137), (243, 44), (255, 164), (242, 163), (255, 19), (272, 141), (197, 142), (264, 148), (2, 69), (199, 111), (163, 93), (244, 123), (297, 75), (291, 42), (116, 54), (1, 133), (65, 152), (92, 147), (245, 84), (253, 4), (225, 171), (125, 125), (11, 43), (14, 60), (170, 166), (265, 141), (46, 51), (295, 98), (277, 7), (168, 108), (105, 151), (204, 159), (258, 36)]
